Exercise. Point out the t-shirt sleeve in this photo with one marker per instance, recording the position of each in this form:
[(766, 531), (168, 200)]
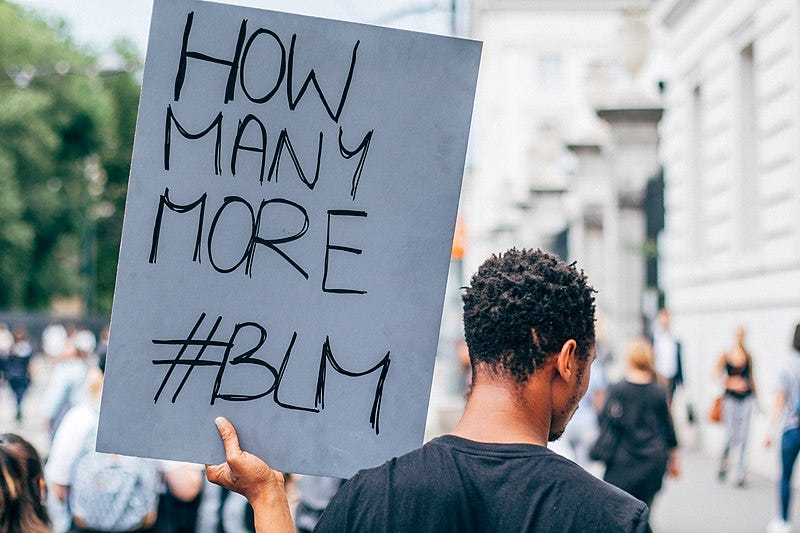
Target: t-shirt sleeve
[(337, 515), (67, 443), (642, 522)]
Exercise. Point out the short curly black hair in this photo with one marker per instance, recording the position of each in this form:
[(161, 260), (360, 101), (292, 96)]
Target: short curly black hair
[(521, 307)]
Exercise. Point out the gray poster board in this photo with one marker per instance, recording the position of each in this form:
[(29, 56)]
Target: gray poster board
[(287, 233)]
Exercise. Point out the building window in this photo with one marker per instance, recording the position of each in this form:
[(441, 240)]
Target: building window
[(697, 223), (748, 176), (550, 70)]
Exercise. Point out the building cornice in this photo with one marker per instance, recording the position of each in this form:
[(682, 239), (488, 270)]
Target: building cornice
[(670, 12), (636, 114), (560, 5), (583, 147)]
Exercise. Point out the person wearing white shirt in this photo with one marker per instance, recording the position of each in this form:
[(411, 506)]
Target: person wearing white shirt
[(185, 480), (667, 351)]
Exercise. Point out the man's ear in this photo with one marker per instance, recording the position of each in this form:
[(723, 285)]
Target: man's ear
[(566, 363)]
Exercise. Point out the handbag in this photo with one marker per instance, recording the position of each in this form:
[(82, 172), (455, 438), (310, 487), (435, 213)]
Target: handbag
[(607, 441), (715, 413)]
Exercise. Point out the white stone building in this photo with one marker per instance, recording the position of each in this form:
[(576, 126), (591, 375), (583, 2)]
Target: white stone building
[(730, 145), (547, 66)]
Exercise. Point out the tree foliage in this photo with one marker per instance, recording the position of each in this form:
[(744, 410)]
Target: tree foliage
[(66, 134)]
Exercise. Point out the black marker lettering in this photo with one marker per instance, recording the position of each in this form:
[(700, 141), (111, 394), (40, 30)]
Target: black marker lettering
[(252, 229), (245, 357), (271, 243), (329, 247), (237, 145), (275, 376), (312, 78), (281, 372), (189, 363), (216, 123), (177, 208), (327, 357), (233, 64), (266, 97), (174, 362), (284, 141), (347, 154)]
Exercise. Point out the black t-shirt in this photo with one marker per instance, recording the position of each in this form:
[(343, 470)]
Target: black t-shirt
[(454, 484)]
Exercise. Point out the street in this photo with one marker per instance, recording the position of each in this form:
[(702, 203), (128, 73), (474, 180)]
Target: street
[(697, 502)]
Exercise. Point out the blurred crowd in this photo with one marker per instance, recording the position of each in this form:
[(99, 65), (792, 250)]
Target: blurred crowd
[(622, 432), (67, 486)]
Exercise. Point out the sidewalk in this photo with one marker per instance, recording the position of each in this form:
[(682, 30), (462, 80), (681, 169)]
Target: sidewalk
[(697, 502)]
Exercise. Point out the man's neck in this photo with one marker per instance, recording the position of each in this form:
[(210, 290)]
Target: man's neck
[(499, 412)]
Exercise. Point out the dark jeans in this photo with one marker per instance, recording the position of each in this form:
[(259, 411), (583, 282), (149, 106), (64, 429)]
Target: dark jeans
[(790, 447)]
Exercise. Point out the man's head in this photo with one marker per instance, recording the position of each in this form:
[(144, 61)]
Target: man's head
[(522, 309)]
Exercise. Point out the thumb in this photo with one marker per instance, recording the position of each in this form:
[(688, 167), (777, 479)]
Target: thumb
[(230, 440), (215, 473)]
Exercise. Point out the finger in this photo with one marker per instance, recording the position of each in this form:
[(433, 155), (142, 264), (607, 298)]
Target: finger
[(212, 473), (230, 440), (219, 475)]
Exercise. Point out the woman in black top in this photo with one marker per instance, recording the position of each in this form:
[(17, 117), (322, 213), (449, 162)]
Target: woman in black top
[(735, 369), (648, 447)]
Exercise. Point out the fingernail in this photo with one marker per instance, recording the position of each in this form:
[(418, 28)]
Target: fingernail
[(220, 422)]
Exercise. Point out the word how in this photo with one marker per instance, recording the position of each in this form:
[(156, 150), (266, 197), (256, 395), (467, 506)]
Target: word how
[(236, 65)]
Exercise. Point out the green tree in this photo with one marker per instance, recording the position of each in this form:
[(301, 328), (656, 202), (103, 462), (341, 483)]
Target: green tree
[(65, 142)]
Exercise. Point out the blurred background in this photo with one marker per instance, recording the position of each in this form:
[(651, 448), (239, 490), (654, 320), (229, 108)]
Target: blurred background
[(654, 142)]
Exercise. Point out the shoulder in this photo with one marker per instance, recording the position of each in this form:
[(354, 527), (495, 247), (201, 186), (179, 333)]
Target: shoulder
[(657, 389), (68, 441), (405, 471), (429, 484), (604, 506), (617, 387), (78, 421), (353, 503)]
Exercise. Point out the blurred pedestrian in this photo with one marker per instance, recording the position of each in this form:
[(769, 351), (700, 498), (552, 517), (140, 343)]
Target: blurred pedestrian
[(105, 492), (315, 493), (67, 379), (17, 367), (22, 487), (786, 411), (582, 430), (54, 337), (6, 342), (648, 447), (735, 369), (667, 353)]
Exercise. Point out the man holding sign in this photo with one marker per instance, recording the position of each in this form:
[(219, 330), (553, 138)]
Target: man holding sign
[(529, 325)]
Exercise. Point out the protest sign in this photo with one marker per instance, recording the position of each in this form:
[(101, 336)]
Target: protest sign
[(287, 233)]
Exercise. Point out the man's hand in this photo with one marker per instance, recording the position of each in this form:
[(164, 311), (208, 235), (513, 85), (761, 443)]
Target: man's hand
[(251, 477)]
